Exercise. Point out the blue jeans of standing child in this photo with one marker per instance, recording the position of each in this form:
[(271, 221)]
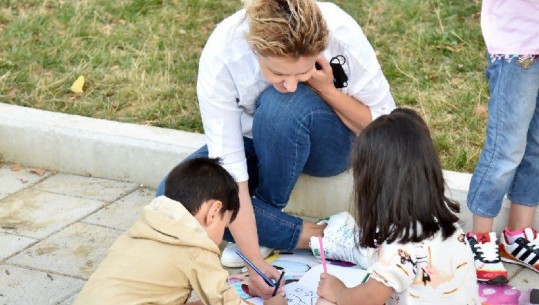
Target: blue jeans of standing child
[(509, 162), (293, 133)]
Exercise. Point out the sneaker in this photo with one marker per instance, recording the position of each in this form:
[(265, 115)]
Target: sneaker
[(488, 266), (229, 257), (524, 251), (340, 241)]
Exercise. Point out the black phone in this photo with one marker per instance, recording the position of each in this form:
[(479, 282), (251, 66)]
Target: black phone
[(340, 79)]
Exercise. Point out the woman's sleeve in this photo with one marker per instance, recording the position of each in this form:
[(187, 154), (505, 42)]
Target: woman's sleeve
[(395, 266), (221, 115), (366, 82)]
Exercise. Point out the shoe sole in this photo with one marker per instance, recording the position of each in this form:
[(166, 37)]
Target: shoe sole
[(509, 258), (499, 280), (234, 264), (240, 263), (513, 261)]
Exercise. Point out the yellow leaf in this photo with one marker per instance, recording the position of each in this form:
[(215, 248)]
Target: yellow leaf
[(78, 84), (481, 111)]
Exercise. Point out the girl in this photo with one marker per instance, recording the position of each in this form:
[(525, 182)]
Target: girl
[(509, 161), (423, 256)]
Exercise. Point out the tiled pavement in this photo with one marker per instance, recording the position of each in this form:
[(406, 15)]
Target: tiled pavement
[(56, 227)]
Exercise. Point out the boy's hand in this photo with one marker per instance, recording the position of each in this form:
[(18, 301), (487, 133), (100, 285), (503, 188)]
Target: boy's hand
[(257, 285), (276, 300), (330, 287)]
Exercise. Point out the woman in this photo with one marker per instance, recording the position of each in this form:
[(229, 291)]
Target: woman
[(271, 110)]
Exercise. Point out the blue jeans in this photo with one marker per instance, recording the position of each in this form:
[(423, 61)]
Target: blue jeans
[(509, 162), (293, 133)]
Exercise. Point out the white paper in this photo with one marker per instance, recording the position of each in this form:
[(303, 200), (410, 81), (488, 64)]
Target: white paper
[(350, 276), (303, 292)]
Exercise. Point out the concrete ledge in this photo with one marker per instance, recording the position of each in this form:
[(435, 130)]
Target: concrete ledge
[(87, 146), (144, 154)]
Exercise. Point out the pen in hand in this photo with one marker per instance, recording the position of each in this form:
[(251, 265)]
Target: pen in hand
[(266, 279), (277, 285)]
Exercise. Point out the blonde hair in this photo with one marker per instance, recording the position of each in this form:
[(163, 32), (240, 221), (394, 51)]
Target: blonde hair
[(286, 28)]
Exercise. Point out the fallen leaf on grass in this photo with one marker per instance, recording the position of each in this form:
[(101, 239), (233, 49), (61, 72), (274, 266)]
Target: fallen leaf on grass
[(77, 85), (38, 171), (15, 167), (12, 92), (481, 111)]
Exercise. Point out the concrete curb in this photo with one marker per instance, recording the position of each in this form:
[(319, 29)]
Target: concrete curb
[(144, 154), (88, 146)]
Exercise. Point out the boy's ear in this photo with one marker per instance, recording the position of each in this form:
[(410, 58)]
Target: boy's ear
[(214, 210)]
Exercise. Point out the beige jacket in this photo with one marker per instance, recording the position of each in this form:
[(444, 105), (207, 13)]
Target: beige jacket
[(163, 257)]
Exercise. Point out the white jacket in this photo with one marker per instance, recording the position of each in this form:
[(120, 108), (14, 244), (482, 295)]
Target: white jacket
[(229, 81)]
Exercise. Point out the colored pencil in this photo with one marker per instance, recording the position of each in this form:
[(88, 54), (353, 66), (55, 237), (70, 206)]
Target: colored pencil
[(277, 286), (322, 254), (266, 279)]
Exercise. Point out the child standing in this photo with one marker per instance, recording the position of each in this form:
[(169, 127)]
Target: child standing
[(173, 248), (422, 254), (509, 162)]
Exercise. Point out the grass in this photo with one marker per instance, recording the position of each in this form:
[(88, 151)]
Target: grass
[(140, 57)]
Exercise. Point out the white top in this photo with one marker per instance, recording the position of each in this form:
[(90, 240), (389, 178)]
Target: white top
[(434, 271), (229, 81), (511, 27)]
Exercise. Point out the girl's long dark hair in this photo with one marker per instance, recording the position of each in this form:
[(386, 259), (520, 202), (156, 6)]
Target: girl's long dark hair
[(399, 186)]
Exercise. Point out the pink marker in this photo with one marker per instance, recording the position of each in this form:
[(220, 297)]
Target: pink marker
[(322, 255)]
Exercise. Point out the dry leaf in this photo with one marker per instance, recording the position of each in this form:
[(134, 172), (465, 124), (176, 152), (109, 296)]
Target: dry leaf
[(107, 29), (12, 92), (15, 167), (77, 85), (481, 110), (38, 171)]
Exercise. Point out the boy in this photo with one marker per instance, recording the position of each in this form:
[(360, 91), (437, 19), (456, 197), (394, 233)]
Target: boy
[(173, 248)]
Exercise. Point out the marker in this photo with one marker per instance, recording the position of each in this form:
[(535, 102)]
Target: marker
[(266, 279), (322, 254), (278, 283), (365, 278)]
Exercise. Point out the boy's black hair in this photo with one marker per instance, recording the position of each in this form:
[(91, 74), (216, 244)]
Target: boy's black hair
[(399, 186), (197, 180)]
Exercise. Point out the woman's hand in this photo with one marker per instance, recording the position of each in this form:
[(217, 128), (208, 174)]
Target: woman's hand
[(257, 285), (322, 80), (330, 287)]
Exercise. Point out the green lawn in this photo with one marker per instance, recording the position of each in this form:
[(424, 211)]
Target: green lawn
[(139, 59)]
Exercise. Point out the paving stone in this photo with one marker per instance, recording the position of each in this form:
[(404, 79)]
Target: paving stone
[(13, 181), (124, 212), (76, 250), (70, 300), (19, 286), (525, 279), (12, 244), (87, 187), (37, 214), (512, 269)]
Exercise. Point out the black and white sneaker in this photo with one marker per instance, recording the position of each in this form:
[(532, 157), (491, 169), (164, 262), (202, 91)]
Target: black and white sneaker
[(524, 251), (488, 265)]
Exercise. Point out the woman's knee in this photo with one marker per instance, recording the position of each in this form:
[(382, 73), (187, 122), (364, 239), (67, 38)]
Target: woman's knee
[(286, 112), (303, 100)]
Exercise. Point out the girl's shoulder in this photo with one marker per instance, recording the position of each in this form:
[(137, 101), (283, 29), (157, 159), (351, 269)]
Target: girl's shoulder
[(438, 242)]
